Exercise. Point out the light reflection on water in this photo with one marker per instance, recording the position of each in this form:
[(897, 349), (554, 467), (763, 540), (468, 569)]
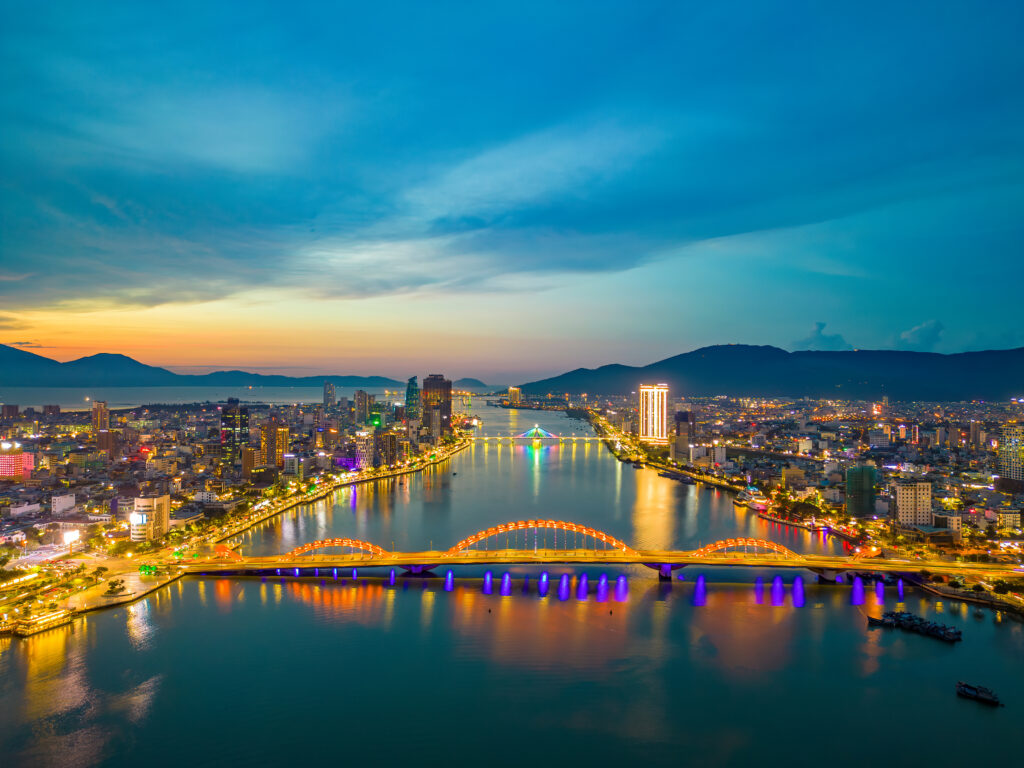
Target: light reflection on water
[(694, 646)]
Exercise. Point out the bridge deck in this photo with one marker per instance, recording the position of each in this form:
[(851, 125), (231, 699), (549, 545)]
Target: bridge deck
[(437, 559)]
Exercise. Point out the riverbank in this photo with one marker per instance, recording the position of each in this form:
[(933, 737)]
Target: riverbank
[(987, 599), (327, 490)]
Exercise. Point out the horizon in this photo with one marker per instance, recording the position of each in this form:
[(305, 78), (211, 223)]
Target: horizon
[(503, 196)]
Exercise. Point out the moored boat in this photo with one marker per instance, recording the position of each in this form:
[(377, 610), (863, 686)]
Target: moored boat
[(978, 693)]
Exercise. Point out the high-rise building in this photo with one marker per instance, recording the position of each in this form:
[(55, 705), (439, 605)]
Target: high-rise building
[(330, 397), (654, 413), (273, 443), (150, 517), (364, 404), (51, 410), (911, 502), (860, 491), (686, 426), (365, 449), (412, 399), (437, 393), (234, 430), (15, 463), (386, 446), (249, 458), (100, 415), (515, 395), (1011, 451), (9, 411), (975, 438)]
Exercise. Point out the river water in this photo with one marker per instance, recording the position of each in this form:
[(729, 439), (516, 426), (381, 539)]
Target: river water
[(734, 668)]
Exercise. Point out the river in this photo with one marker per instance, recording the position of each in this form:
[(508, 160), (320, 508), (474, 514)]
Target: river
[(719, 670)]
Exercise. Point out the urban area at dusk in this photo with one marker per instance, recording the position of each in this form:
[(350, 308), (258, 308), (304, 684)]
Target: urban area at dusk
[(506, 384)]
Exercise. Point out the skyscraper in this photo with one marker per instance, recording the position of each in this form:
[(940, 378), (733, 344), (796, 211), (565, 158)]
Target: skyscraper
[(860, 491), (330, 398), (1011, 451), (437, 394), (100, 415), (412, 399), (234, 429), (514, 395), (364, 403), (653, 414), (273, 442)]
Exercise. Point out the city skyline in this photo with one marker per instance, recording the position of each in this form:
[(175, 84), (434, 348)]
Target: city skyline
[(542, 197)]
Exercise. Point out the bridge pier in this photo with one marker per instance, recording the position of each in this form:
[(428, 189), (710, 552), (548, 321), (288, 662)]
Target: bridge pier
[(420, 570), (664, 570)]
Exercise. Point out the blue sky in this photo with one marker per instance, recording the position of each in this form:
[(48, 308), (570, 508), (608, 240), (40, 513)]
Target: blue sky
[(507, 189)]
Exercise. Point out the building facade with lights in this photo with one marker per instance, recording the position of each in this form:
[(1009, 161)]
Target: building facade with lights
[(654, 414)]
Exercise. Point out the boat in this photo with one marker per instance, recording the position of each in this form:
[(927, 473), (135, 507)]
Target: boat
[(685, 480), (911, 623), (637, 465), (753, 498), (42, 622), (978, 693)]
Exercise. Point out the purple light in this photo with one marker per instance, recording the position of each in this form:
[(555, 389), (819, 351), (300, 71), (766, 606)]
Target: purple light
[(899, 589), (581, 587), (857, 594), (526, 585), (700, 592), (488, 583), (542, 585), (335, 574), (391, 577), (296, 571), (506, 584), (449, 580), (880, 593), (621, 589), (759, 590), (563, 587), (778, 591), (799, 600), (602, 588)]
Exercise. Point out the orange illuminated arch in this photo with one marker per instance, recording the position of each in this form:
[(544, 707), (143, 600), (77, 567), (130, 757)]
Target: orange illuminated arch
[(725, 544), (557, 525), (366, 546)]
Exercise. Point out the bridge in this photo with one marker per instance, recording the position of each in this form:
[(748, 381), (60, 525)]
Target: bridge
[(557, 542), (538, 435)]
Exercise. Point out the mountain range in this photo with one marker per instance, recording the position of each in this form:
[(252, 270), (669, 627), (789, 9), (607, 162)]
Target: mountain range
[(20, 368), (741, 370)]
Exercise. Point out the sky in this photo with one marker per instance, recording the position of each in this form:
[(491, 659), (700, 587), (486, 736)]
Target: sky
[(507, 190)]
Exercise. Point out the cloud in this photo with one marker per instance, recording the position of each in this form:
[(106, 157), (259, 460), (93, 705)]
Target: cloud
[(819, 340), (10, 322), (27, 345), (921, 338)]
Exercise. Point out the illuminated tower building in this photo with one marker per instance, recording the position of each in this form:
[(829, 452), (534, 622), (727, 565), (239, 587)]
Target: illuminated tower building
[(515, 395), (364, 403), (1011, 451), (273, 443), (100, 415), (365, 445), (330, 398), (234, 429), (653, 414), (386, 447), (249, 455), (437, 394), (412, 399), (15, 464)]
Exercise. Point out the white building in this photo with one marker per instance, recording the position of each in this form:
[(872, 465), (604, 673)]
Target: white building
[(59, 505), (911, 502), (150, 518), (364, 449), (654, 414)]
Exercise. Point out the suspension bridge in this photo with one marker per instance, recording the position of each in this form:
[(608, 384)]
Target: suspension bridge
[(554, 542)]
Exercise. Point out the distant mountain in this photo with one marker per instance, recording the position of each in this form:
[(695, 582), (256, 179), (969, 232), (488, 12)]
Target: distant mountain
[(469, 384), (19, 368), (742, 370)]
